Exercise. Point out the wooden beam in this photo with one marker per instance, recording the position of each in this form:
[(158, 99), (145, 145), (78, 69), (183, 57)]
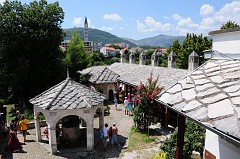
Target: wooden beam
[(180, 137), (163, 116)]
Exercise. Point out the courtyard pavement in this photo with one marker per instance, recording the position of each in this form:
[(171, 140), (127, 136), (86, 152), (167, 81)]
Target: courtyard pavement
[(34, 150)]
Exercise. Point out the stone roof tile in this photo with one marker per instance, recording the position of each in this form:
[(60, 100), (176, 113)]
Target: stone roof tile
[(216, 102), (67, 95)]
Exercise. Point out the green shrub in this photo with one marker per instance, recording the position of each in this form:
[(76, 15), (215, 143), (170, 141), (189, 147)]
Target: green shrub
[(194, 139), (160, 155)]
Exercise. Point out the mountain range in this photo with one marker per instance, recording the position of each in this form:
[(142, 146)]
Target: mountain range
[(96, 35)]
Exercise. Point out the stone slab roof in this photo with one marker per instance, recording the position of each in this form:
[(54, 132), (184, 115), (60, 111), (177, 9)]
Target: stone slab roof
[(67, 95), (209, 95), (133, 74), (100, 74), (221, 31)]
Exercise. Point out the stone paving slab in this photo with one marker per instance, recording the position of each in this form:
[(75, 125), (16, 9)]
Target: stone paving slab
[(34, 150)]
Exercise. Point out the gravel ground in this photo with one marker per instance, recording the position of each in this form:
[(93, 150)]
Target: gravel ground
[(34, 150)]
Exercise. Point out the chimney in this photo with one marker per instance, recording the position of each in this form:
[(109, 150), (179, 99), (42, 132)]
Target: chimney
[(132, 58), (193, 61), (142, 58), (123, 57), (172, 58), (154, 59)]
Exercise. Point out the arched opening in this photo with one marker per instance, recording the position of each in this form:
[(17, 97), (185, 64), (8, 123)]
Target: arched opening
[(73, 133), (110, 94), (70, 131)]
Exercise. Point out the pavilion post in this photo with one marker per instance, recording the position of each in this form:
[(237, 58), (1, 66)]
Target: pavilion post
[(163, 115), (180, 137), (52, 138), (37, 126), (101, 117), (90, 135)]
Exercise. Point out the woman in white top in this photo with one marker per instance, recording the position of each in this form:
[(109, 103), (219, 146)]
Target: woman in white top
[(105, 132), (126, 106)]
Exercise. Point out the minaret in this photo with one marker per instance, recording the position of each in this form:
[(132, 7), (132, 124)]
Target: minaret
[(85, 30), (193, 61), (132, 58), (123, 57), (172, 60), (154, 59), (142, 58)]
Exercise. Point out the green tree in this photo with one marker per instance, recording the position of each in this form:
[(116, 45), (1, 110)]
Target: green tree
[(95, 59), (194, 139), (191, 43), (229, 24), (30, 58), (76, 59)]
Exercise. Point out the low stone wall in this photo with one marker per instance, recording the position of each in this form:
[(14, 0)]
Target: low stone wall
[(31, 125)]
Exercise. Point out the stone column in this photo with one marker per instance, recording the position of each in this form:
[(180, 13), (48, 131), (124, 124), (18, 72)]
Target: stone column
[(123, 57), (90, 135), (193, 61), (37, 126), (142, 58), (132, 58), (154, 59), (101, 118), (52, 138), (172, 60)]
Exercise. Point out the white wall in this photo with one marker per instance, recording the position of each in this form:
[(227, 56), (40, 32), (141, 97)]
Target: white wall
[(227, 43), (220, 147)]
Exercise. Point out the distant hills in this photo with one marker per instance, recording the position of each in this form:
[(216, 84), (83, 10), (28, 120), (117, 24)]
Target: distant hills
[(159, 40), (96, 35)]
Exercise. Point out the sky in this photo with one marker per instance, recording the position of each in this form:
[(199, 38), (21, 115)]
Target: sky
[(138, 19)]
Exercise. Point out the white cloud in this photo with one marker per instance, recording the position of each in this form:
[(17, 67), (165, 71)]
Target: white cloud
[(104, 28), (77, 21), (112, 16), (206, 9), (150, 25), (120, 28), (229, 11), (176, 17), (187, 22)]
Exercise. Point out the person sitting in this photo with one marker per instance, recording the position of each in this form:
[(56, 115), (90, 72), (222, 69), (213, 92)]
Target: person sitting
[(45, 132)]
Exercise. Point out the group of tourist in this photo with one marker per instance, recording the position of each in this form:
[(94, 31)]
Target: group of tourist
[(128, 106), (109, 135), (20, 124)]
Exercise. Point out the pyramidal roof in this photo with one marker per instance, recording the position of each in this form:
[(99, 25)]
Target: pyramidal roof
[(100, 74), (68, 94)]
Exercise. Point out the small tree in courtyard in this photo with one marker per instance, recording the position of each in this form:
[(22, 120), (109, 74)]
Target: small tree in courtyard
[(147, 106)]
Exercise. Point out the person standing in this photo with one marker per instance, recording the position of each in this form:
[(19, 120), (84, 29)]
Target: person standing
[(23, 124), (126, 106), (17, 120), (116, 102), (114, 132), (105, 134)]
